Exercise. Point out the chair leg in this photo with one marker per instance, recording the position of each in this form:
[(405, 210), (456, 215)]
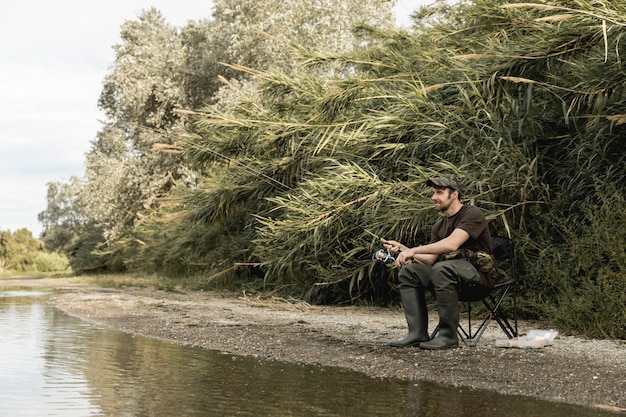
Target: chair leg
[(502, 318), (496, 314), (471, 339)]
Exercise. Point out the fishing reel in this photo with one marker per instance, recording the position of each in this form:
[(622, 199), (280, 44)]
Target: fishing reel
[(384, 256)]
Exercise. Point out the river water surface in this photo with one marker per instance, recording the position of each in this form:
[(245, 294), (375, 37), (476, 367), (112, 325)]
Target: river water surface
[(52, 364)]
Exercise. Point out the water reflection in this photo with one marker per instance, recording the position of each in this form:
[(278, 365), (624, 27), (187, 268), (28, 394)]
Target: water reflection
[(30, 383), (56, 365), (153, 378)]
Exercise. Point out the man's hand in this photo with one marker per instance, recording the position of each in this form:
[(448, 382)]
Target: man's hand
[(404, 257), (393, 246)]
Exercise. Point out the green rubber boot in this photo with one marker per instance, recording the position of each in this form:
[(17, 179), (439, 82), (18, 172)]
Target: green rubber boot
[(448, 309), (414, 305)]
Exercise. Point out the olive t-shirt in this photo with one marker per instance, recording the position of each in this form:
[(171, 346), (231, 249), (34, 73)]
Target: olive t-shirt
[(470, 219)]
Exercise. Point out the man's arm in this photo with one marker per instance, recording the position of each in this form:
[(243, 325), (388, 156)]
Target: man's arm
[(428, 254), (425, 259), (396, 247), (393, 245)]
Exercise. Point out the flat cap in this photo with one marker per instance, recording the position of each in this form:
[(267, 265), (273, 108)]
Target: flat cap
[(449, 181)]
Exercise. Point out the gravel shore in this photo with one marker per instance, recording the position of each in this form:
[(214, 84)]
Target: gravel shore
[(573, 370)]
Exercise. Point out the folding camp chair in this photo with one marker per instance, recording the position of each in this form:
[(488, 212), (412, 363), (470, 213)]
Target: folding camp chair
[(504, 252)]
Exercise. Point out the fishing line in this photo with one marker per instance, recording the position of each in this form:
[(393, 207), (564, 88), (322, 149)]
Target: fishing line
[(382, 255), (285, 187)]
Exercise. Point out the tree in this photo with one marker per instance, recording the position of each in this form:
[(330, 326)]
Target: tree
[(124, 176), (262, 35), (18, 250), (145, 84), (64, 216)]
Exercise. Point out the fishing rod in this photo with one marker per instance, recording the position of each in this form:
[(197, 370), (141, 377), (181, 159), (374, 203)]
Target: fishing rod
[(382, 255), (279, 184)]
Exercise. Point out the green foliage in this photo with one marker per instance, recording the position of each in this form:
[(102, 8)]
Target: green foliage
[(158, 70), (145, 85), (50, 262), (64, 215), (288, 177), (581, 284), (89, 253), (514, 98), (20, 252), (124, 176), (275, 27)]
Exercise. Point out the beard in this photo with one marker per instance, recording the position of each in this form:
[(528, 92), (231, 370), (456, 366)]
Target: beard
[(442, 206)]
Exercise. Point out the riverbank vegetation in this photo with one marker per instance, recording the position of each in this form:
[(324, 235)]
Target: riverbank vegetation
[(21, 254), (270, 155)]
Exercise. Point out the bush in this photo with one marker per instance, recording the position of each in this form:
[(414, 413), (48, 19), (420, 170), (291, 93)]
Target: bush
[(593, 298), (50, 262)]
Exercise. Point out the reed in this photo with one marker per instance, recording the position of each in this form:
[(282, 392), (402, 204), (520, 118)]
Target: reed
[(523, 101)]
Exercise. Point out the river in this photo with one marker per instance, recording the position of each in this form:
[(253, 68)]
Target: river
[(52, 364)]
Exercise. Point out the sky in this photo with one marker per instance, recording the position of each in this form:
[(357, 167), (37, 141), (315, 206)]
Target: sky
[(54, 55)]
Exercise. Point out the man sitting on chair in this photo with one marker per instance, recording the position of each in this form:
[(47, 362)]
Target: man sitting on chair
[(443, 266)]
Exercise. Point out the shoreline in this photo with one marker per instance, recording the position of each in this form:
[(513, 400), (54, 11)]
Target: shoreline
[(573, 370)]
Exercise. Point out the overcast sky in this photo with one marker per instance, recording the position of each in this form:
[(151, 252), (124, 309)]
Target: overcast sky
[(54, 55)]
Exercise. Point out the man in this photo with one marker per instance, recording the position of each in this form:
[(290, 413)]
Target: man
[(440, 267)]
